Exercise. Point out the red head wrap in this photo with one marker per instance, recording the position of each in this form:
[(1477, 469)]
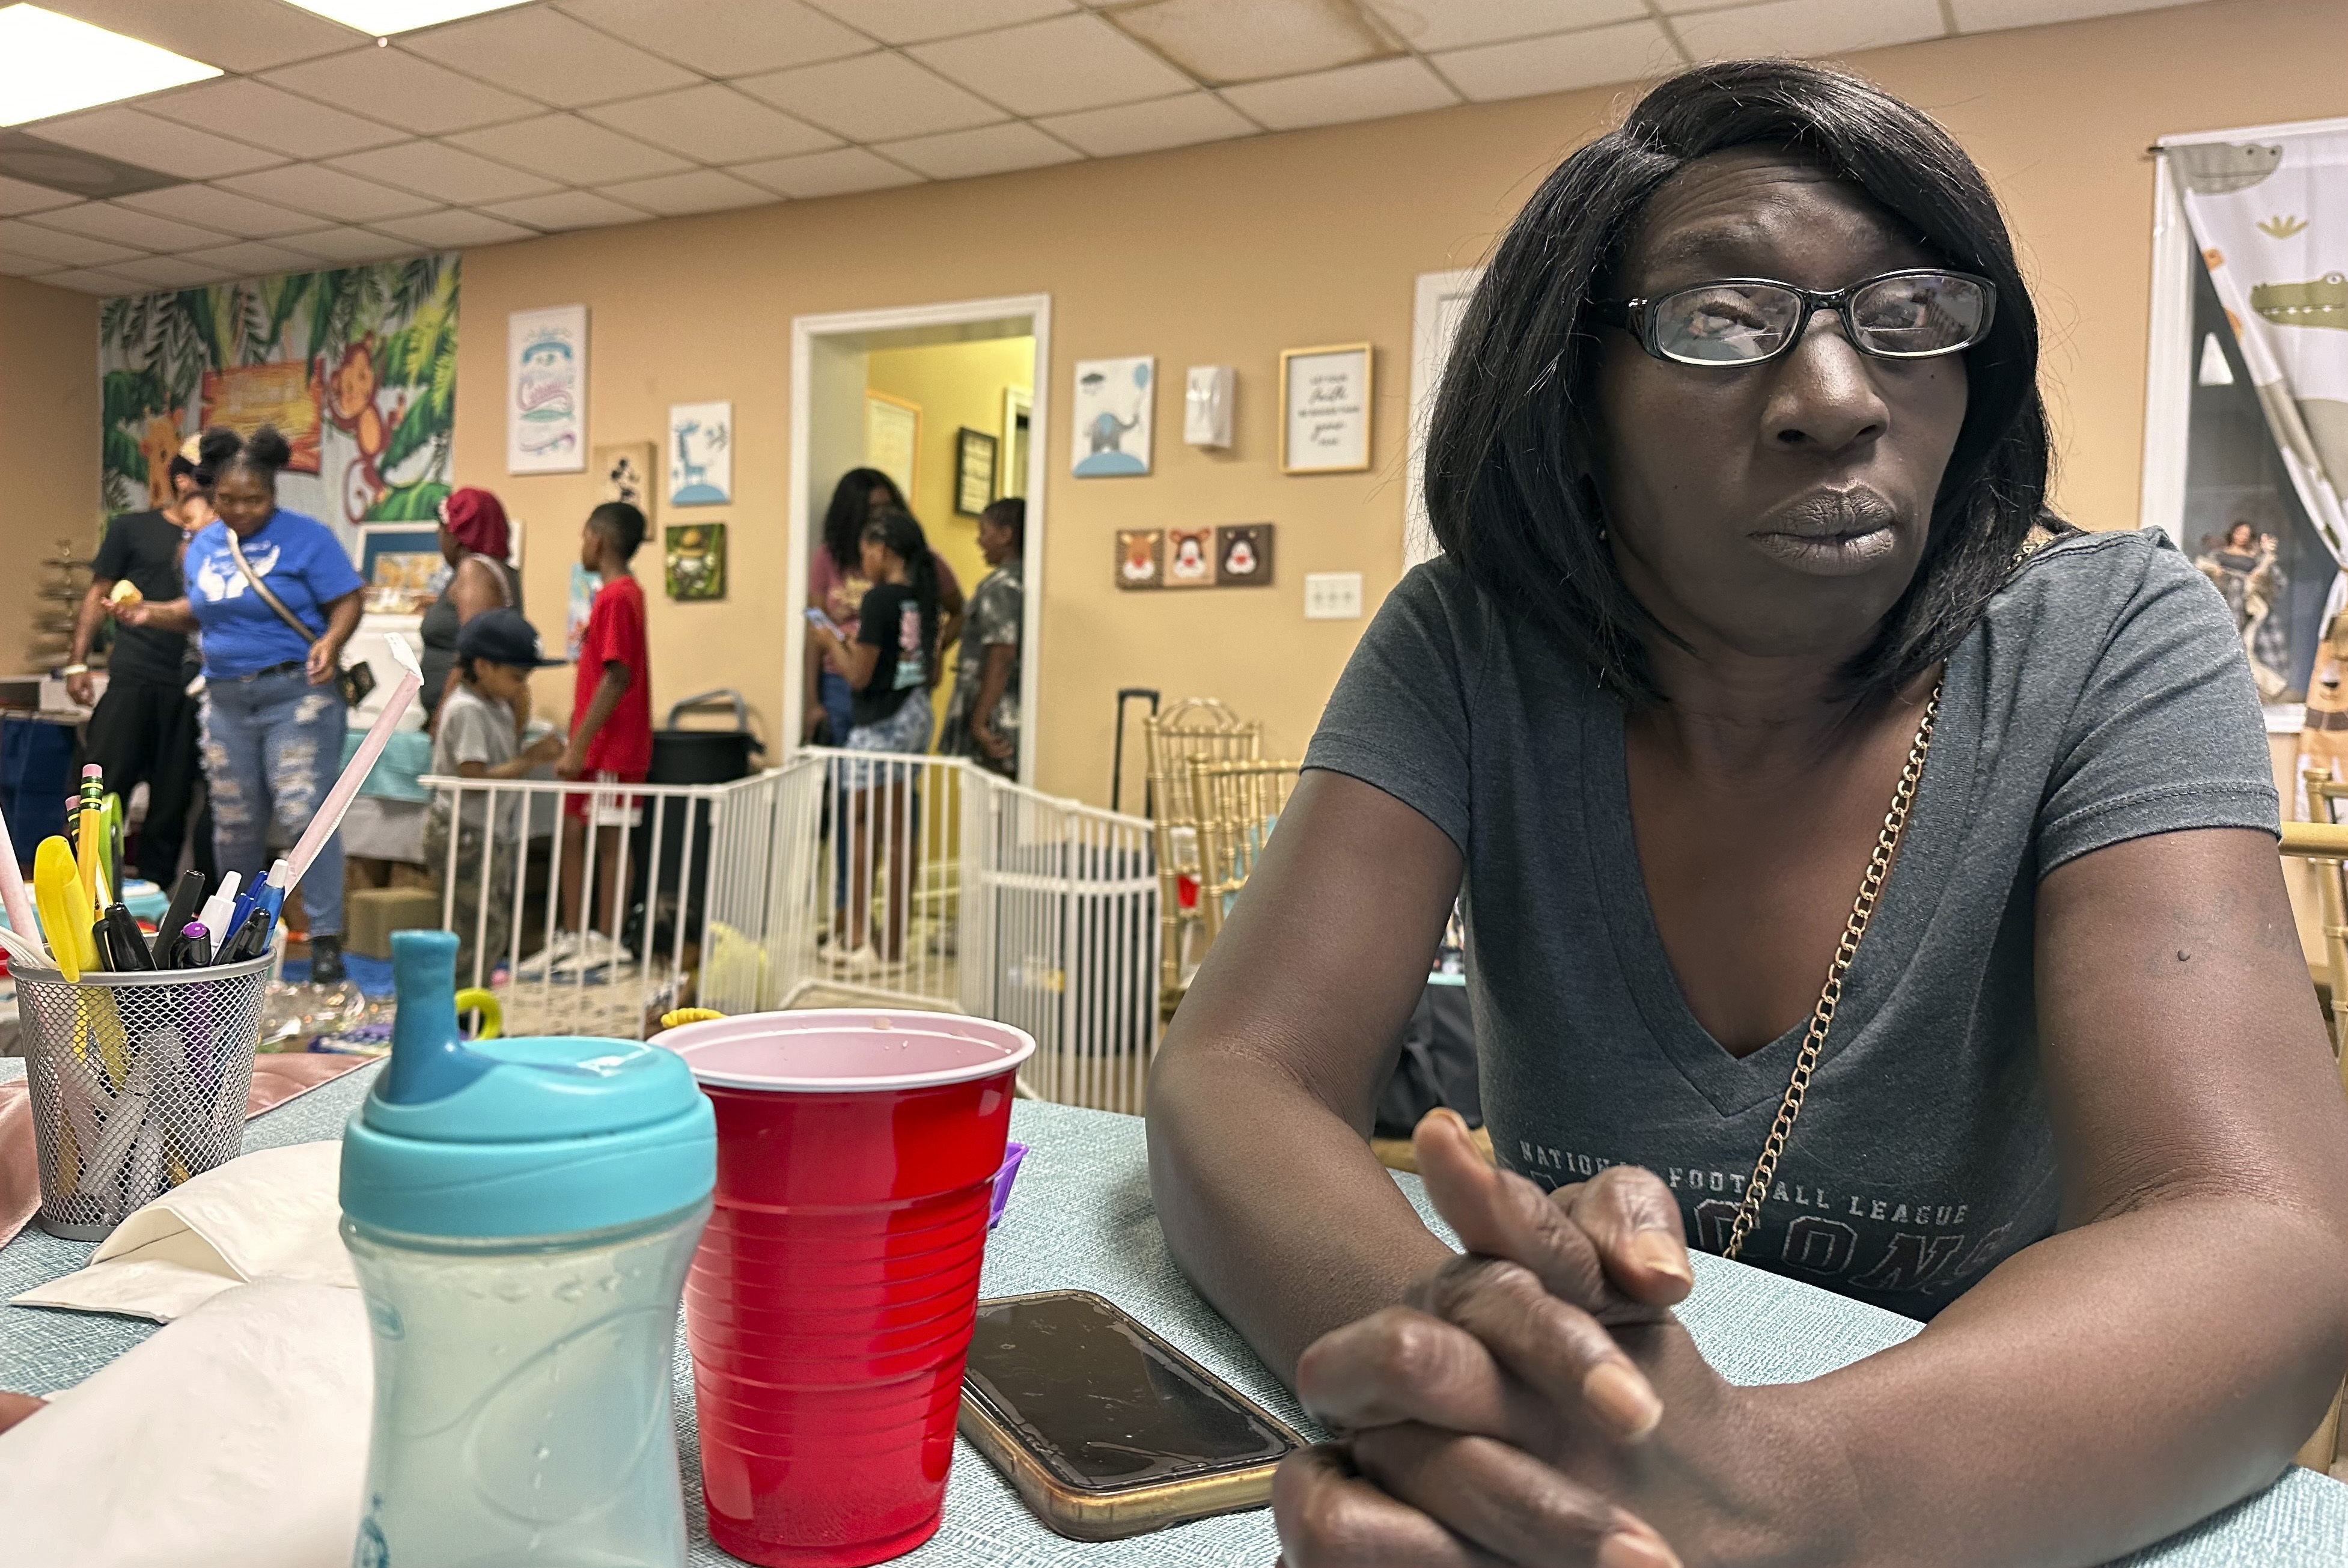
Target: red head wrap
[(479, 521)]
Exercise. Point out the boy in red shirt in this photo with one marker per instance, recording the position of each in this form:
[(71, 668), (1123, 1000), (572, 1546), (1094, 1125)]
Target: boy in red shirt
[(610, 722)]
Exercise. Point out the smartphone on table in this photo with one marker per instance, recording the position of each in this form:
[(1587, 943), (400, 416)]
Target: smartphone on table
[(1105, 1429)]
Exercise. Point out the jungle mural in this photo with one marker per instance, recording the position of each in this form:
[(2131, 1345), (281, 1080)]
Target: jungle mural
[(357, 365)]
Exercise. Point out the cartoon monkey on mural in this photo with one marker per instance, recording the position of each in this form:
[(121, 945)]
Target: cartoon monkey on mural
[(347, 400)]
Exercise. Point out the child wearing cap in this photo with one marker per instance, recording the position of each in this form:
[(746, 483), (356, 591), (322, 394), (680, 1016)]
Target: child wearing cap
[(478, 738)]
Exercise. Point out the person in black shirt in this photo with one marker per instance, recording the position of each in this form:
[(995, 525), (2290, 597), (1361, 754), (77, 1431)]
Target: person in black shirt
[(144, 727), (889, 667)]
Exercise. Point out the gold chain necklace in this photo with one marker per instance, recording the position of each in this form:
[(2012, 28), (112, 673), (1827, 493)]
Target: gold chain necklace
[(1870, 888)]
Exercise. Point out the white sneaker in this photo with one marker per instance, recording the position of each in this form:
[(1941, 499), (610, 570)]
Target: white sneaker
[(573, 951), (864, 962)]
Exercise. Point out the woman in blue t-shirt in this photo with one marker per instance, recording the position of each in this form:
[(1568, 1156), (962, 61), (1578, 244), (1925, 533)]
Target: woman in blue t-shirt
[(274, 715)]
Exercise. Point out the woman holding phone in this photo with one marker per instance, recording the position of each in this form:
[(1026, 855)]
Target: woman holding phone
[(889, 666)]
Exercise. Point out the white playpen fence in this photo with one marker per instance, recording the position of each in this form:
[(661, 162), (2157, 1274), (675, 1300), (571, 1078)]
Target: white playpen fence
[(839, 878)]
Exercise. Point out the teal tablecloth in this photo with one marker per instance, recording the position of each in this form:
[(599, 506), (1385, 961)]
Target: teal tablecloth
[(1081, 1217)]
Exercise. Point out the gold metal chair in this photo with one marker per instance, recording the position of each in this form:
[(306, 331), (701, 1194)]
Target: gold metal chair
[(1195, 729), (1239, 803), (2324, 846)]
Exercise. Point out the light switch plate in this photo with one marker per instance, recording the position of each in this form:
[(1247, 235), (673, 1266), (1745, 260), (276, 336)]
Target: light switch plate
[(1332, 595)]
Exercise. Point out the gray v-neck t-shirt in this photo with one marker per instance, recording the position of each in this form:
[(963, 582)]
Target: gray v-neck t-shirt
[(2103, 696)]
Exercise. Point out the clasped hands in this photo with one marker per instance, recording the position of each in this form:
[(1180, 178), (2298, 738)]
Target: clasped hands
[(1512, 1412)]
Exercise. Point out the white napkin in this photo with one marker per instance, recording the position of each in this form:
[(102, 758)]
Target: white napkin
[(236, 1438), (269, 1214)]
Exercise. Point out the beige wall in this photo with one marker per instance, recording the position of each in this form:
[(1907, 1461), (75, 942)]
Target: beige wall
[(48, 444), (1228, 253)]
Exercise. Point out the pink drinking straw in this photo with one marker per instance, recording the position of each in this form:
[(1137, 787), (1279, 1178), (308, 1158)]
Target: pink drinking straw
[(346, 789), (12, 889)]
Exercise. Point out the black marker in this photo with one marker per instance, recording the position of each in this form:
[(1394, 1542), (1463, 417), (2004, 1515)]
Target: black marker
[(195, 946), (130, 942), (102, 941), (251, 940), (186, 898)]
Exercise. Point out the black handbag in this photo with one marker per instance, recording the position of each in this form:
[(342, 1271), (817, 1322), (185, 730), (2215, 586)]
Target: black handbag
[(354, 681)]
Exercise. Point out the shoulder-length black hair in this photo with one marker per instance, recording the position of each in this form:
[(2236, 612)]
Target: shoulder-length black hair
[(1508, 466), (852, 509)]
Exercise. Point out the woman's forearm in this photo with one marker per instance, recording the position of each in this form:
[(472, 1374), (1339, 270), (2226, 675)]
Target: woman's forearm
[(1288, 1249), (2096, 1392), (341, 620)]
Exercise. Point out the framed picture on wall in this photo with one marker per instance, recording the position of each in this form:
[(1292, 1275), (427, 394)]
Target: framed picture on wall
[(1189, 557), (546, 390), (700, 454), (1324, 410), (625, 471), (1141, 558), (1243, 555), (975, 463), (696, 559), (892, 438), (1113, 404)]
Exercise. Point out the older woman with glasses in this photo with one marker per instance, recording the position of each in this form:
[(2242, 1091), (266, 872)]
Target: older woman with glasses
[(1867, 874)]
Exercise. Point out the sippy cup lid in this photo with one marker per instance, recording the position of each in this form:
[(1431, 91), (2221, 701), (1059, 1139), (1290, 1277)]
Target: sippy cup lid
[(521, 1137)]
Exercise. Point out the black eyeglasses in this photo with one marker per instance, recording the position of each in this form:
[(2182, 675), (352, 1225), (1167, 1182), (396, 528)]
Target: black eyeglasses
[(1915, 314)]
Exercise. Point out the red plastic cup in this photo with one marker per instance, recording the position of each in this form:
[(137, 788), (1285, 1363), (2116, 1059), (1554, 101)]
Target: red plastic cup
[(831, 1303)]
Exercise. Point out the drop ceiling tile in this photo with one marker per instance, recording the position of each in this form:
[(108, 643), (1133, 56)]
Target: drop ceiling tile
[(168, 272), (548, 57), (129, 226), (235, 35), (1431, 24), (872, 97), (917, 21), (701, 191), (1224, 41), (445, 173), (455, 229), (1626, 52), (1988, 15), (403, 90), (328, 192), (86, 281), (566, 209), (990, 149), (251, 260), (1148, 126), (16, 264), (1053, 68), (567, 147), (724, 37), (835, 173), (713, 124), (20, 237), (20, 196), (270, 117), (1808, 27), (151, 143), (1355, 92), (346, 247), (208, 206)]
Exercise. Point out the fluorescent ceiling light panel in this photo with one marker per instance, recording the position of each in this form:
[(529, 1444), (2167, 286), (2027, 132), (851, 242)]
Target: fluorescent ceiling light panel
[(382, 18), (52, 64)]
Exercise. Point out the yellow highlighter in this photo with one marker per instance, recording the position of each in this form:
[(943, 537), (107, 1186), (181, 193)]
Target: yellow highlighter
[(65, 914)]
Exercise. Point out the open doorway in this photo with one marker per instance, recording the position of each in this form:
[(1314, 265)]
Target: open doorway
[(932, 396)]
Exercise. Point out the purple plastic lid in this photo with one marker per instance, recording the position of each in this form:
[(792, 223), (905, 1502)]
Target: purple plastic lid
[(1012, 1154)]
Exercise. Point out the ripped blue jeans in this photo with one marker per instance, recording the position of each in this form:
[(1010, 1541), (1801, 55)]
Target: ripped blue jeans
[(273, 748)]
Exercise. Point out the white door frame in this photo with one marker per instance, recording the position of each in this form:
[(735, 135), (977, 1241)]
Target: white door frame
[(805, 330)]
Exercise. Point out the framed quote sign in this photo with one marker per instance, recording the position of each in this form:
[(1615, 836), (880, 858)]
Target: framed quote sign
[(1324, 410)]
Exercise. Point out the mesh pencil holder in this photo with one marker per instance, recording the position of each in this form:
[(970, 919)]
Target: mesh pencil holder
[(138, 1081)]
